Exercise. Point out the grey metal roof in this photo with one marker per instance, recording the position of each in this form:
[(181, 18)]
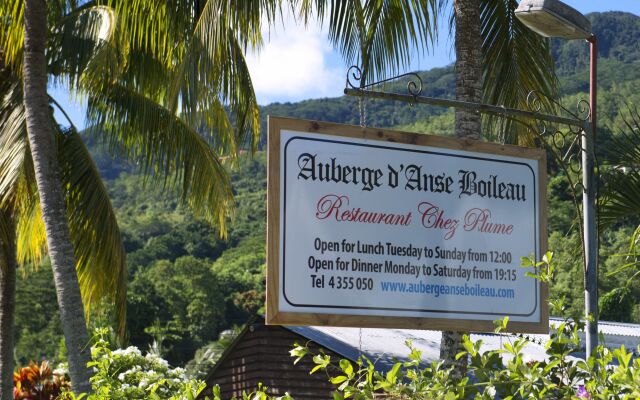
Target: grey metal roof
[(386, 346)]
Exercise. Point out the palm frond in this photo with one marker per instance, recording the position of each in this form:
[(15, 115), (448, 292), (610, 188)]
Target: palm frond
[(155, 27), (17, 182), (30, 232), (626, 143), (75, 34), (621, 198), (621, 194), (76, 39), (214, 69), (96, 238), (165, 147), (12, 32), (516, 61), (13, 141), (7, 238), (189, 57), (380, 35), (100, 255)]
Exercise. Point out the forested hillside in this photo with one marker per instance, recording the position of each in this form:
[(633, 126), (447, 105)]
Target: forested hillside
[(187, 284)]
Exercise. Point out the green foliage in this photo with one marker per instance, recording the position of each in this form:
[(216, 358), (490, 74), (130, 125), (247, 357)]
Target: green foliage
[(562, 216), (38, 329), (127, 374), (176, 282), (378, 36), (502, 373), (208, 355), (618, 34), (617, 305), (194, 299), (441, 125)]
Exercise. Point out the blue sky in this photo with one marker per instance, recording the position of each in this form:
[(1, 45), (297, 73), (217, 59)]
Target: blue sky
[(298, 63)]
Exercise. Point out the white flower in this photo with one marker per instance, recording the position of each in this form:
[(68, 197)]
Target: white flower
[(62, 369), (131, 350), (154, 358)]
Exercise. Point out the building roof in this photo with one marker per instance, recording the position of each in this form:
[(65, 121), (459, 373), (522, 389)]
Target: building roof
[(386, 346)]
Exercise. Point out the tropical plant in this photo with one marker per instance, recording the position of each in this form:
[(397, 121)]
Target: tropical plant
[(26, 105), (616, 305), (100, 263), (504, 373), (499, 60), (127, 374), (198, 49), (377, 35), (38, 382), (620, 176)]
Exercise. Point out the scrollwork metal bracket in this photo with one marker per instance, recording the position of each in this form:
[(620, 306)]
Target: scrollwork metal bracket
[(565, 145), (414, 85)]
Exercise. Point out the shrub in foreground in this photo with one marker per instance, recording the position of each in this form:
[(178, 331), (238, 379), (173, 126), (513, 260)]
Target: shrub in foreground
[(127, 374), (504, 373)]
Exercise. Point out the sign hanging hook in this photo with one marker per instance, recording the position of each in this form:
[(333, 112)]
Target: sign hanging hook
[(503, 134)]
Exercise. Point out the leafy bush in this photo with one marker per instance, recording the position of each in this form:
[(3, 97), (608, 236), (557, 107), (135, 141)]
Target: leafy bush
[(493, 374), (502, 373), (127, 374), (38, 382)]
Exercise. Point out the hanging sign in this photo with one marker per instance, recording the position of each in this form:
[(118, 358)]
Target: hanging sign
[(379, 228)]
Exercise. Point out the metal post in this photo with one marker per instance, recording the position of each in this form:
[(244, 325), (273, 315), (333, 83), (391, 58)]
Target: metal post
[(589, 212)]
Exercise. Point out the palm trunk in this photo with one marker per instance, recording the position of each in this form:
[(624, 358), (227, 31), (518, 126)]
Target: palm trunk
[(8, 265), (468, 125), (7, 291), (468, 66), (43, 152)]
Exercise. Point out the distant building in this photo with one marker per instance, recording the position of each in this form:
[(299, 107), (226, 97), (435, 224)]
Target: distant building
[(260, 354)]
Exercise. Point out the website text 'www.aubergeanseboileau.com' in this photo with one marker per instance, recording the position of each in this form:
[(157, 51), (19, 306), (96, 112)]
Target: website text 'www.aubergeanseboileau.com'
[(438, 290)]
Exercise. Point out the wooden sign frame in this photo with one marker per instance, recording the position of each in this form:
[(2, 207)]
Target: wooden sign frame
[(273, 313)]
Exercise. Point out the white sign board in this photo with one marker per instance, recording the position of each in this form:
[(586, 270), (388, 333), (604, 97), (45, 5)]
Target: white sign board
[(392, 232)]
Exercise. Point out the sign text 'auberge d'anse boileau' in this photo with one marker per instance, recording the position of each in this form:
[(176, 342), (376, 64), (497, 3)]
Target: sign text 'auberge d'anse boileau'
[(373, 228)]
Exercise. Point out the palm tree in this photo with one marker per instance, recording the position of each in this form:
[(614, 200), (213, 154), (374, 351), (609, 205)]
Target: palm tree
[(199, 50), (468, 68), (500, 61), (26, 108), (7, 280), (93, 227), (47, 174)]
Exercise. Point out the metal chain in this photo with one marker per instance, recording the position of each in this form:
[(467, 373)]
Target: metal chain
[(363, 112)]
